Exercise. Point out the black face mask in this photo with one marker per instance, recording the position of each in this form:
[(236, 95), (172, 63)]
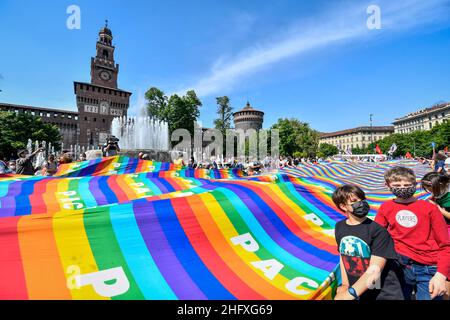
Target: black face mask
[(360, 209), (404, 193)]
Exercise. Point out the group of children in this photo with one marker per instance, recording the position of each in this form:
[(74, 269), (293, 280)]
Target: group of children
[(405, 252)]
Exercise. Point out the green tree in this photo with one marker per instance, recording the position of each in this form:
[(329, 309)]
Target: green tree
[(297, 137), (16, 129), (417, 142), (157, 103), (225, 113), (327, 150), (180, 112), (223, 122)]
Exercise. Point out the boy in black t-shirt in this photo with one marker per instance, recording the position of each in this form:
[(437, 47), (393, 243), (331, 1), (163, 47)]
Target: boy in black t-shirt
[(369, 266)]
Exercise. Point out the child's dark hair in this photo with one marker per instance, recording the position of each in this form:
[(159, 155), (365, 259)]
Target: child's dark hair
[(343, 193), (436, 182)]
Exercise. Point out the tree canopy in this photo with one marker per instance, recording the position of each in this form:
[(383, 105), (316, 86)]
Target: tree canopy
[(327, 150), (180, 112), (297, 138), (17, 128), (417, 143)]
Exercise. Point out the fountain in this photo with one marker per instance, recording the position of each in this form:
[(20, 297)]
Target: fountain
[(142, 133)]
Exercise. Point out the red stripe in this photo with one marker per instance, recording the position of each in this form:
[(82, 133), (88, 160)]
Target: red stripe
[(208, 254), (118, 191), (36, 198), (12, 277), (99, 170)]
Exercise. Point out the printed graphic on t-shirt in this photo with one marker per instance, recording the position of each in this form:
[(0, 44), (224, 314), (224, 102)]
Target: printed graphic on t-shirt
[(406, 218), (355, 255)]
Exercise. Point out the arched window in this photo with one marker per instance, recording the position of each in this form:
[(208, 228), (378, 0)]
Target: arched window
[(105, 54)]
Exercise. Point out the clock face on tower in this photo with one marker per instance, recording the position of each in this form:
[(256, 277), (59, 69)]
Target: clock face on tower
[(105, 75)]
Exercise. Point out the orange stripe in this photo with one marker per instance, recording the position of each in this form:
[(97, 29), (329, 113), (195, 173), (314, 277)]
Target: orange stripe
[(44, 272), (50, 197)]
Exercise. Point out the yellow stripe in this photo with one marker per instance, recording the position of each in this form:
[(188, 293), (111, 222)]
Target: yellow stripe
[(74, 249)]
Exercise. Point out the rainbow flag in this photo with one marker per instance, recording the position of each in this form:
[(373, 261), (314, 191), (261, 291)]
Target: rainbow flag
[(122, 228)]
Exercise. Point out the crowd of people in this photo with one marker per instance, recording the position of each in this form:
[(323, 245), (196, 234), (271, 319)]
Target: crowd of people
[(25, 164), (403, 253)]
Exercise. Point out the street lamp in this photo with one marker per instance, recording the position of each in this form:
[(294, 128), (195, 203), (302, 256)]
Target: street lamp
[(371, 129)]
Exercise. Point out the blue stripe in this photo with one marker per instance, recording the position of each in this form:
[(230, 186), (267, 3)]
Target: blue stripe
[(106, 190), (144, 269)]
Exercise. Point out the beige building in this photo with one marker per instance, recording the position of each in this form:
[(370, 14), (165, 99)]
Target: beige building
[(424, 119), (359, 137)]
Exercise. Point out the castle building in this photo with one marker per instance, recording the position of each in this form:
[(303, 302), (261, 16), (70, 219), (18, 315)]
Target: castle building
[(65, 120), (98, 102)]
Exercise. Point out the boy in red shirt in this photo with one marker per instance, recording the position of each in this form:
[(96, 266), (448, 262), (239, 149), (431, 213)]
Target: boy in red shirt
[(420, 236)]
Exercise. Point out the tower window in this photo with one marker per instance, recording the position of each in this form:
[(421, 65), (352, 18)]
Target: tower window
[(105, 54)]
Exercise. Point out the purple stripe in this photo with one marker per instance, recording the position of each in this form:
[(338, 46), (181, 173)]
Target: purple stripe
[(160, 185), (96, 192), (8, 203), (168, 264)]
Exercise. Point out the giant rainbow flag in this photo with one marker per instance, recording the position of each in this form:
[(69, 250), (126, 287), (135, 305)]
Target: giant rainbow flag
[(123, 228)]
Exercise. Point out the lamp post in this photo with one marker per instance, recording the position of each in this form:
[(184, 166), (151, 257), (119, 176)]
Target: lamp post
[(371, 129)]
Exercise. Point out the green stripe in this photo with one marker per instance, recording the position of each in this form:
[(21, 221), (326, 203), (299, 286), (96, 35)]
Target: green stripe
[(106, 250)]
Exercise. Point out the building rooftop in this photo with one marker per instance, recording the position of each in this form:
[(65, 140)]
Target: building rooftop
[(422, 112), (17, 106), (357, 130), (98, 86), (248, 107)]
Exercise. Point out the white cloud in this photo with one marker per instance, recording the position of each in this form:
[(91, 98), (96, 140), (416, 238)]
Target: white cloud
[(337, 26)]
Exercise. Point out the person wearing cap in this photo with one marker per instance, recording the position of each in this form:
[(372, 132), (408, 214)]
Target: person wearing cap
[(24, 164)]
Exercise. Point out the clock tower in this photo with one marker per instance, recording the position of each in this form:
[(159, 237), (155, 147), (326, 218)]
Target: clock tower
[(100, 101), (104, 70)]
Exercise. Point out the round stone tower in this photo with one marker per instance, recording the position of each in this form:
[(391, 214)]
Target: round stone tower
[(248, 118)]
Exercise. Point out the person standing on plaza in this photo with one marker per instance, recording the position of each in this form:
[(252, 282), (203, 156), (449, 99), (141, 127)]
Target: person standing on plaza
[(24, 165), (439, 161), (111, 147), (50, 166)]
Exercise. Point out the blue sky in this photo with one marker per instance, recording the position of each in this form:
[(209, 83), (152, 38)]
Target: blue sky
[(313, 60)]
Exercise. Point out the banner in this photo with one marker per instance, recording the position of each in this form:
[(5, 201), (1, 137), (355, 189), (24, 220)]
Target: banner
[(121, 228)]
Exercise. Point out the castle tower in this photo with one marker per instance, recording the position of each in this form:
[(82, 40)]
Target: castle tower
[(248, 118), (100, 101)]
